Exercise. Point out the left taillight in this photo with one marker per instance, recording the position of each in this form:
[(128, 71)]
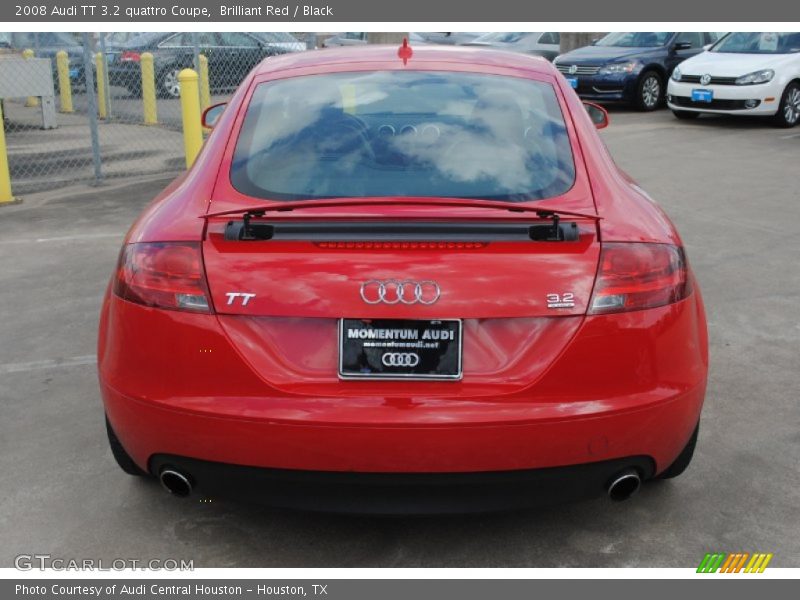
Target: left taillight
[(635, 276), (163, 275)]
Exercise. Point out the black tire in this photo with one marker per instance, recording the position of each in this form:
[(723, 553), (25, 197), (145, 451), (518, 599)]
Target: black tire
[(685, 115), (649, 91), (684, 458), (788, 114), (124, 461)]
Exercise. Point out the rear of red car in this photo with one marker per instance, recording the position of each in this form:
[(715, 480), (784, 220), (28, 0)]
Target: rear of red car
[(400, 287)]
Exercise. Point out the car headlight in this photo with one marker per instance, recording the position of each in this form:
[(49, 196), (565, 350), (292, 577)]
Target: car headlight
[(755, 77), (676, 74), (626, 67)]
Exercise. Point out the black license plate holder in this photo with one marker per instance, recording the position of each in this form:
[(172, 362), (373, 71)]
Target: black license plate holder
[(400, 349)]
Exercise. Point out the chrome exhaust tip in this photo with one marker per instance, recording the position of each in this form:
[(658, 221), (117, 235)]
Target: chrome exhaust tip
[(624, 485), (175, 482)]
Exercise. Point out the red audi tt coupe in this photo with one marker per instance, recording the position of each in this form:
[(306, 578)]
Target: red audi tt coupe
[(402, 281)]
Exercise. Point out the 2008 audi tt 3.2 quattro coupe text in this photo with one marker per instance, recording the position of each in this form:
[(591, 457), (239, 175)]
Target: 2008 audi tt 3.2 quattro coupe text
[(403, 280)]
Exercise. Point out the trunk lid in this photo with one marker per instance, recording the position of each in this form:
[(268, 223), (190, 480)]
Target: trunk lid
[(280, 300), (321, 269)]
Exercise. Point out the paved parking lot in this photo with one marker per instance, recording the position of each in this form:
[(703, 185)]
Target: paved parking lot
[(733, 189)]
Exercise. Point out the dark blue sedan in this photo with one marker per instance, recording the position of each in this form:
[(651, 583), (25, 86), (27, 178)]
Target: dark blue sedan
[(631, 67)]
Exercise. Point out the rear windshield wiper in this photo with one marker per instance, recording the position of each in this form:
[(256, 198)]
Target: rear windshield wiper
[(247, 229)]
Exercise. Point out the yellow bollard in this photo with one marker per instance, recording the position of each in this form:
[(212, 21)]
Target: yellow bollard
[(190, 108), (64, 84), (32, 100), (5, 176), (205, 90), (148, 89), (348, 92), (100, 75)]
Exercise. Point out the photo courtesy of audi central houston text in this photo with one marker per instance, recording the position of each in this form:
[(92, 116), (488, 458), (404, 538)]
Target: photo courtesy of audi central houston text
[(407, 278)]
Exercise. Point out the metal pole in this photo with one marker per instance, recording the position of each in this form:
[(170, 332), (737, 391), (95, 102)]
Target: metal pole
[(89, 71), (105, 74), (196, 51)]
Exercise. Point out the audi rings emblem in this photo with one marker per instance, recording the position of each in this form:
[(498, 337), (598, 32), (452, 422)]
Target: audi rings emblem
[(393, 291), (400, 359)]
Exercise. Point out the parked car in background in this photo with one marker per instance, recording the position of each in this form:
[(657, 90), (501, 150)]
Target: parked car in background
[(118, 38), (451, 38), (348, 38), (743, 74), (281, 41), (631, 67), (231, 55), (539, 43)]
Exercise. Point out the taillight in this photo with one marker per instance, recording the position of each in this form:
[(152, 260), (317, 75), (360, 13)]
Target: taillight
[(128, 56), (633, 276), (164, 275)]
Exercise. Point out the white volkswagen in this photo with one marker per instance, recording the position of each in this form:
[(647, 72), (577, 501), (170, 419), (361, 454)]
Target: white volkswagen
[(742, 74)]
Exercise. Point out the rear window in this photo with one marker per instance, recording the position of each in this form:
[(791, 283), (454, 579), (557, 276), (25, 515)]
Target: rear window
[(405, 133)]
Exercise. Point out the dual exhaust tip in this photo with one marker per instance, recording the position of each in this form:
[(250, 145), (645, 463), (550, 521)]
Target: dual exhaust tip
[(624, 485), (621, 487), (175, 482)]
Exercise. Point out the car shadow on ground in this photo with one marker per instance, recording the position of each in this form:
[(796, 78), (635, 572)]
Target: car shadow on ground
[(592, 532)]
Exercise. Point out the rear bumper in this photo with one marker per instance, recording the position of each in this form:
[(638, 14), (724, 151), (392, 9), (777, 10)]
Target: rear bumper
[(401, 493), (656, 429), (626, 385)]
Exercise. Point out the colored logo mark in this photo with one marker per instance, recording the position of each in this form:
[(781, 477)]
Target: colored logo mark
[(720, 562)]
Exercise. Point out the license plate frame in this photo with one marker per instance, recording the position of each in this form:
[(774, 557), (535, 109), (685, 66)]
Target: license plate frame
[(358, 361), (702, 95)]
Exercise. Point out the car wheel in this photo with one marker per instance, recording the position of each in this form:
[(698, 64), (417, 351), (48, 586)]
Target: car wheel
[(684, 458), (650, 91), (124, 461), (169, 86), (685, 114), (788, 114)]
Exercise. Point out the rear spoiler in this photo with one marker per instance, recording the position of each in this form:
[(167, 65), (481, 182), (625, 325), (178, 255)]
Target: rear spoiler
[(349, 231)]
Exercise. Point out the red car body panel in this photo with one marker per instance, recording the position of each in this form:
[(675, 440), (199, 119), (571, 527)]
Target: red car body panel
[(257, 385)]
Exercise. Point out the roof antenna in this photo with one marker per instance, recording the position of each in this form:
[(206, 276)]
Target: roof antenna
[(405, 52)]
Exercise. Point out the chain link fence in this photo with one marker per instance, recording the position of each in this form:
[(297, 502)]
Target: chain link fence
[(110, 106)]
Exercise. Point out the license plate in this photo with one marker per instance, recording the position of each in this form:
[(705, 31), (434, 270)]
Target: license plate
[(702, 95), (73, 73), (399, 349), (573, 82)]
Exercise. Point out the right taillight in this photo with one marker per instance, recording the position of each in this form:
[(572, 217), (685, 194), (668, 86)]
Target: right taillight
[(634, 276), (163, 275)]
